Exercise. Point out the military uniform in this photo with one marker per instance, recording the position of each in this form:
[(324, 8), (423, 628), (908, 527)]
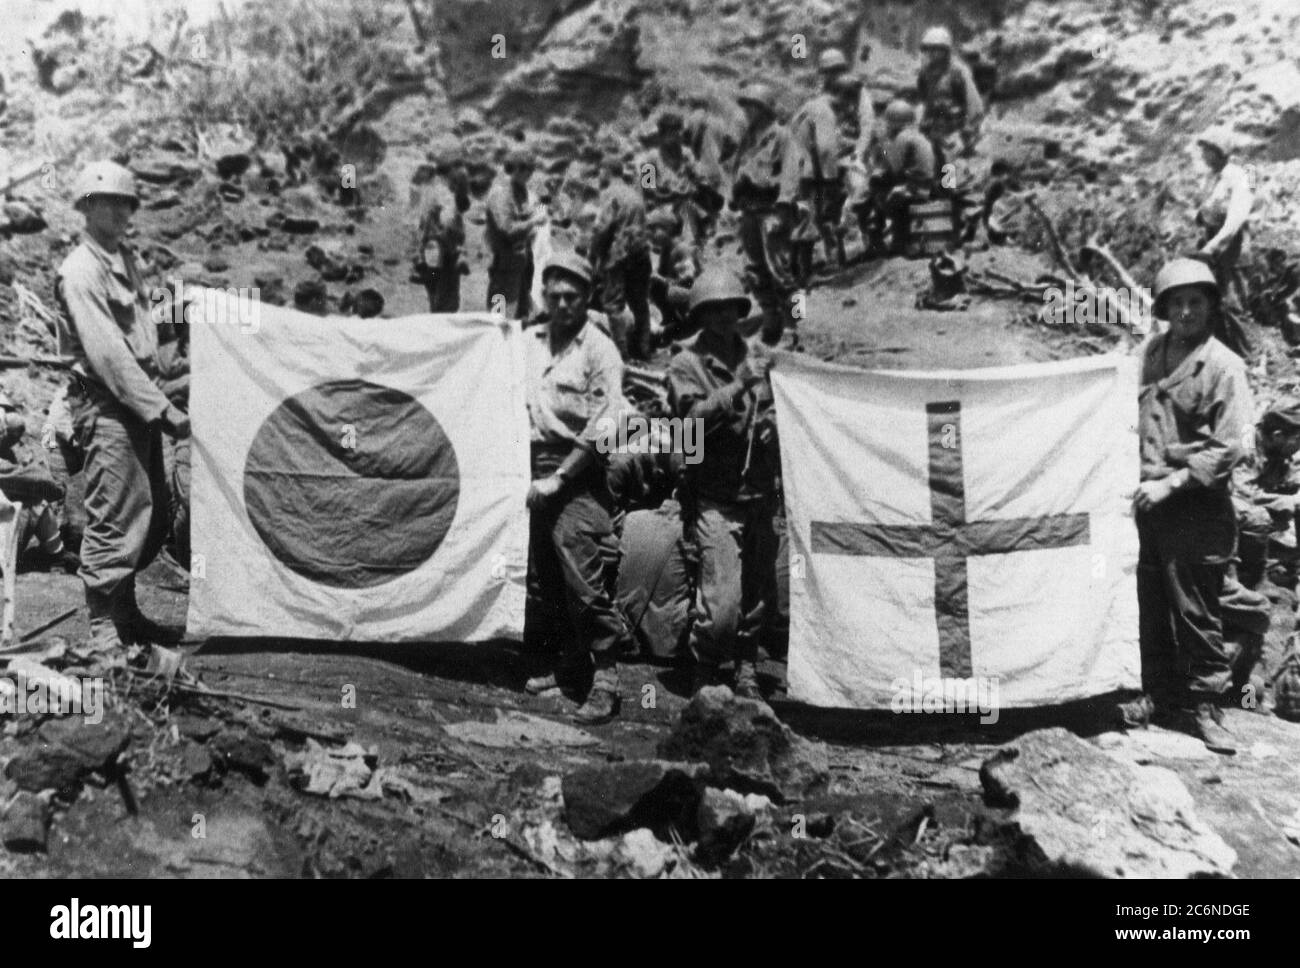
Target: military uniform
[(673, 180), (573, 553), (1229, 195), (621, 254), (117, 408), (1194, 418), (953, 107), (441, 239), (509, 236), (730, 497), (906, 175), (759, 182), (813, 166)]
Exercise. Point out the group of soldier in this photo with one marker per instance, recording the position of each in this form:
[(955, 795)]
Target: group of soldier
[(791, 183), (788, 183)]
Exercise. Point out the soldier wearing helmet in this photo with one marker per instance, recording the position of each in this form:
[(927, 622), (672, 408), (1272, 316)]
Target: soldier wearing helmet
[(952, 107), (905, 174), (513, 218), (1194, 423), (730, 497), (858, 120), (669, 175), (574, 394), (620, 252), (119, 413), (827, 132), (764, 194), (439, 263), (1224, 218)]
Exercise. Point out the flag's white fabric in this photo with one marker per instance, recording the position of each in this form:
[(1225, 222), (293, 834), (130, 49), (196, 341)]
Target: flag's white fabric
[(456, 383), (1041, 442)]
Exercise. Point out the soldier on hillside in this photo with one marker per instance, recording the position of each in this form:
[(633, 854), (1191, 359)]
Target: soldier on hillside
[(952, 109), (764, 194), (513, 218), (119, 413)]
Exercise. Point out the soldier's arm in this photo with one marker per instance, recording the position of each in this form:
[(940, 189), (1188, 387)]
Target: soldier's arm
[(866, 125), (971, 98), (1230, 420), (1240, 202), (106, 350), (688, 397)]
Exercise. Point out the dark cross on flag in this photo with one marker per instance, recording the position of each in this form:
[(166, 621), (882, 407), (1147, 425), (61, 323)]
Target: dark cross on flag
[(950, 539)]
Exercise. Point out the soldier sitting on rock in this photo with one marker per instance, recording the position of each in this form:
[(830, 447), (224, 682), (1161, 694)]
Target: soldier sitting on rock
[(904, 175)]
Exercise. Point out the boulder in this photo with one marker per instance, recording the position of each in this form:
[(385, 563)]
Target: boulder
[(1072, 807), (609, 798), (725, 819), (26, 823), (747, 748)]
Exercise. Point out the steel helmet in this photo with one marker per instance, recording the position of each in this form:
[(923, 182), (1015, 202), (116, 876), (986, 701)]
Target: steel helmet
[(832, 59), (569, 263), (846, 85), (1183, 272), (760, 94), (937, 37), (670, 120), (1218, 138), (664, 216), (718, 285), (900, 112), (520, 157), (104, 178)]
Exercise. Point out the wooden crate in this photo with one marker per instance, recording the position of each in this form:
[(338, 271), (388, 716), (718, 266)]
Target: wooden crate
[(931, 228)]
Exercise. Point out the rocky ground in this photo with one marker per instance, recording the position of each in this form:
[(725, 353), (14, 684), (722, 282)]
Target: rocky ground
[(293, 758)]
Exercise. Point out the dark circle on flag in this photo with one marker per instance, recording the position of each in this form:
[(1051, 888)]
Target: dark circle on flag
[(351, 484)]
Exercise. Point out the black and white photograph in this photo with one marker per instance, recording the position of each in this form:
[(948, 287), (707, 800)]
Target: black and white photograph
[(651, 439)]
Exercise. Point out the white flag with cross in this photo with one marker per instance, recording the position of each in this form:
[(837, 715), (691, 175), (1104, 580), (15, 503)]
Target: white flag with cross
[(960, 526)]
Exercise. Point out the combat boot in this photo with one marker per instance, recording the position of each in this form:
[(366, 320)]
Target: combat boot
[(602, 702), (1212, 731), (1205, 722), (138, 627)]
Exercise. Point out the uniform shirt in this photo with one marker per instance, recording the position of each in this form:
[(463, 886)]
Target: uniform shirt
[(506, 214), (570, 393), (442, 224), (701, 384), (1197, 417), (865, 129), (711, 144), (951, 99), (667, 181), (106, 331), (815, 141), (620, 228), (758, 180), (1229, 200), (909, 157)]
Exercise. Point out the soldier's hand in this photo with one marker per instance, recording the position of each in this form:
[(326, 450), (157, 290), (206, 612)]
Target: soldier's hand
[(542, 490), (1151, 493), (176, 423)]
